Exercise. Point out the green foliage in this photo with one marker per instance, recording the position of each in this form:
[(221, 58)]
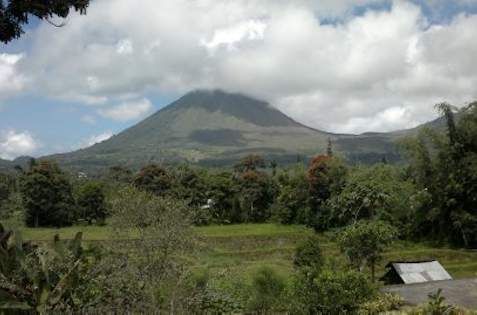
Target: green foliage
[(377, 192), (15, 13), (267, 290), (91, 202), (384, 302), (332, 293), (365, 241), (308, 256), (221, 190), (436, 306), (256, 192), (154, 179), (156, 235), (119, 174), (47, 196), (293, 200), (189, 185), (444, 168), (42, 279)]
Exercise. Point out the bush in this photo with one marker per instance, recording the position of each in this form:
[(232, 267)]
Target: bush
[(267, 289), (332, 293), (382, 303), (308, 256)]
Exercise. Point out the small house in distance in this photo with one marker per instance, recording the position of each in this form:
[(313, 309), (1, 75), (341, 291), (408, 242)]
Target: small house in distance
[(407, 272)]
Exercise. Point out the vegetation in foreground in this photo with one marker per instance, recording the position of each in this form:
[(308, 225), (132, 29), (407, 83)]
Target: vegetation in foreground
[(150, 258)]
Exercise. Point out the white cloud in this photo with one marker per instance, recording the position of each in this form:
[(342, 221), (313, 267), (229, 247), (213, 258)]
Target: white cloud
[(127, 111), (10, 80), (14, 144), (229, 37), (124, 47), (341, 76), (96, 139)]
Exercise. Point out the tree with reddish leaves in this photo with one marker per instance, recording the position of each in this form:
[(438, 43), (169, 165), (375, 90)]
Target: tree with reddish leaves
[(326, 175), (250, 162)]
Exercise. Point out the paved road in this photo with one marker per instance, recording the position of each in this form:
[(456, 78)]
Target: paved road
[(462, 292)]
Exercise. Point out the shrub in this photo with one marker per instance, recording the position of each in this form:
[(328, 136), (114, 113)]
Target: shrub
[(382, 303), (267, 290), (332, 293), (308, 256)]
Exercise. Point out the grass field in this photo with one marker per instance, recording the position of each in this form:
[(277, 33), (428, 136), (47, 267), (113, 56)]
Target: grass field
[(232, 253)]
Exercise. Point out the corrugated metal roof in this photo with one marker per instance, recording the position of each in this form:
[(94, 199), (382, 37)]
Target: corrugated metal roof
[(417, 272)]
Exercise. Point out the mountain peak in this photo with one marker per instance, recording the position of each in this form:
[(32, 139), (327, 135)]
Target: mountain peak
[(240, 106)]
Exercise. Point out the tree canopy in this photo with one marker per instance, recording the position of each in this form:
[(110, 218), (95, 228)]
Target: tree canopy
[(14, 14)]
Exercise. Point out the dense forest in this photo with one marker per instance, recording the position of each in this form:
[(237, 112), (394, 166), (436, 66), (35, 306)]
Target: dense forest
[(432, 197)]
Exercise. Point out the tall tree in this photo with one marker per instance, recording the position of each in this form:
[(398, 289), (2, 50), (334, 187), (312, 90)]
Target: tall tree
[(91, 202), (329, 148), (444, 167), (14, 14), (47, 196)]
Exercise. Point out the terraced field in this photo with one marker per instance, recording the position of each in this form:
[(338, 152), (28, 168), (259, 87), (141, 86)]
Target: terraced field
[(232, 253)]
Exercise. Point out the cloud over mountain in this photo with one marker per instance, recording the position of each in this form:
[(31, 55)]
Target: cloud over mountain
[(15, 143), (321, 62)]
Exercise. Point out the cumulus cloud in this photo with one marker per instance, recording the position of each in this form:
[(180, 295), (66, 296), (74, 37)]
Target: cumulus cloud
[(127, 111), (380, 69), (11, 80), (14, 144), (230, 36), (96, 139)]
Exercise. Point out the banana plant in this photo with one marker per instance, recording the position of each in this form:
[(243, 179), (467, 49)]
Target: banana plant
[(37, 278)]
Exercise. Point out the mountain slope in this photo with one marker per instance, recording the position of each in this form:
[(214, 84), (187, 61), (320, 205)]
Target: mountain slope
[(208, 127), (217, 128)]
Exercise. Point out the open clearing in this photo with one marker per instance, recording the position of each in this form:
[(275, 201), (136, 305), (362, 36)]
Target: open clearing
[(234, 252)]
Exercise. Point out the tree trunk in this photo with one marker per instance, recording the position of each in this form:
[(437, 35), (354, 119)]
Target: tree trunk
[(35, 223)]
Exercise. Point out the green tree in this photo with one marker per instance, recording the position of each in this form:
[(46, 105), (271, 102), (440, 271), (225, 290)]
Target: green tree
[(293, 199), (91, 202), (378, 192), (5, 190), (364, 242), (47, 196), (120, 174), (189, 185), (153, 178), (308, 256), (15, 13), (443, 166), (220, 188), (157, 237), (256, 194)]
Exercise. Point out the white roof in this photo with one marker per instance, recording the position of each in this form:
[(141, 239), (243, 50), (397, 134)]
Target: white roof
[(417, 272)]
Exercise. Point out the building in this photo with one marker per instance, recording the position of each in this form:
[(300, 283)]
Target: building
[(407, 272)]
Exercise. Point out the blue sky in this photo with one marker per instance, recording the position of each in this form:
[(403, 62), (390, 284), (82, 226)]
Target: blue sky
[(338, 65)]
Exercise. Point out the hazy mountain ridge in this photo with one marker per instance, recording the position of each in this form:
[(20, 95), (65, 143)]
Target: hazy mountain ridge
[(217, 128)]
